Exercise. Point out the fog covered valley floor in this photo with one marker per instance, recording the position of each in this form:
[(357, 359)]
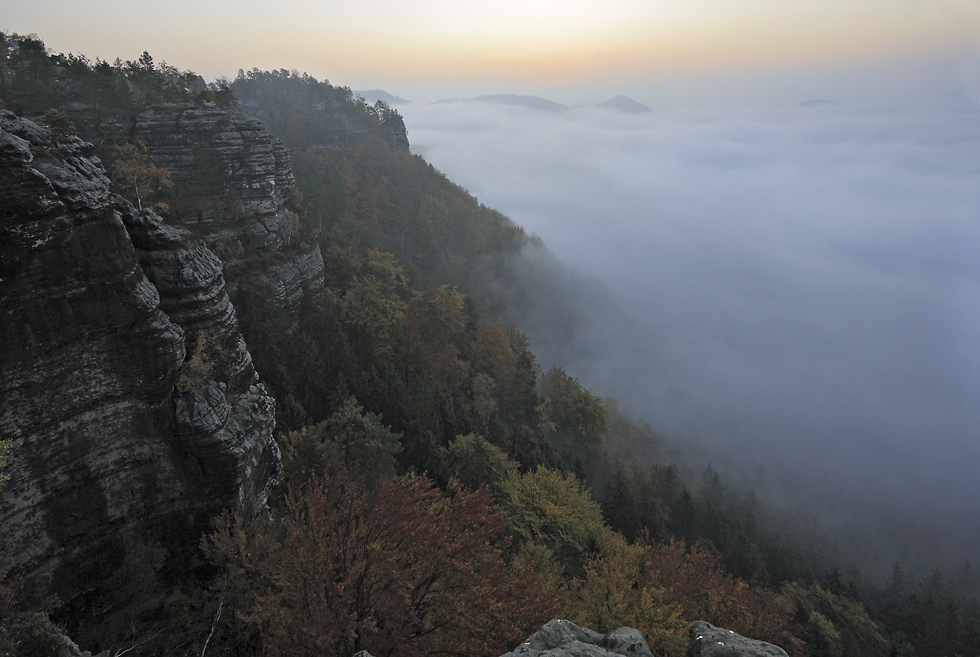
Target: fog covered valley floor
[(791, 287)]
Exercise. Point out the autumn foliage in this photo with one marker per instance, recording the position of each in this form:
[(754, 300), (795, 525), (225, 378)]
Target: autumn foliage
[(660, 587), (397, 569), (137, 178)]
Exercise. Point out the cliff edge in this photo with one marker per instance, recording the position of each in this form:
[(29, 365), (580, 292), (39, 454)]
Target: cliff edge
[(236, 191), (128, 393)]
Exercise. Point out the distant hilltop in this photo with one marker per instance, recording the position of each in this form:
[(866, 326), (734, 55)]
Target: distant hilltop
[(626, 105), (622, 104), (374, 95), (531, 102)]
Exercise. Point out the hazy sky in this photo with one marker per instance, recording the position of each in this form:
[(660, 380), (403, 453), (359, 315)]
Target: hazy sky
[(429, 49)]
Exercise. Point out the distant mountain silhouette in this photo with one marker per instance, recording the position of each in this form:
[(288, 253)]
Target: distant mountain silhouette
[(374, 95), (531, 102), (626, 105), (620, 103)]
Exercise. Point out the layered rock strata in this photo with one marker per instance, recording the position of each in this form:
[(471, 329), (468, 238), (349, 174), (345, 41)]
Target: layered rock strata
[(223, 414), (133, 408), (233, 181)]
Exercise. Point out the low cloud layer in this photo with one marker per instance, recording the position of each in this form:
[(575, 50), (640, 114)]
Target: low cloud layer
[(795, 290)]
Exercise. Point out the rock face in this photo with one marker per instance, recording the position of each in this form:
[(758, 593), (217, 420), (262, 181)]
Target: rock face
[(710, 641), (233, 181), (562, 638), (134, 409)]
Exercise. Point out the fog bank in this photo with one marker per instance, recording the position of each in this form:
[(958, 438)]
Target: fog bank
[(794, 289)]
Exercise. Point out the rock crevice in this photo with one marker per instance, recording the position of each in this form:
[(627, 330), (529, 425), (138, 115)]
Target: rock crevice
[(119, 437)]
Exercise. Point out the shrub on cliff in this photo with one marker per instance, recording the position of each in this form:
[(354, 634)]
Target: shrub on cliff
[(196, 369), (60, 125), (135, 177)]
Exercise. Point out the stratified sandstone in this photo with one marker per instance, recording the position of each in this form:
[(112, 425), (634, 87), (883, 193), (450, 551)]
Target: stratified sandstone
[(117, 440), (233, 180)]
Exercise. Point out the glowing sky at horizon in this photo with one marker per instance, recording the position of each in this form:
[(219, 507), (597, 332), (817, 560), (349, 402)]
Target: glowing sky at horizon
[(545, 43)]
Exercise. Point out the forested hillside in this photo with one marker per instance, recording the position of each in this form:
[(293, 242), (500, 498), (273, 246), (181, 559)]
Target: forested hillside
[(440, 493)]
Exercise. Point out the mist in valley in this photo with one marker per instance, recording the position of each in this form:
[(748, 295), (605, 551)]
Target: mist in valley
[(788, 291)]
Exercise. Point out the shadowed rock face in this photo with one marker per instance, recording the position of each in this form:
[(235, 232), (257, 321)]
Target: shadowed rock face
[(117, 441), (220, 159), (233, 178)]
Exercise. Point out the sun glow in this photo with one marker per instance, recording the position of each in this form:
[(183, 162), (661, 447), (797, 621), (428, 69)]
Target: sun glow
[(535, 41)]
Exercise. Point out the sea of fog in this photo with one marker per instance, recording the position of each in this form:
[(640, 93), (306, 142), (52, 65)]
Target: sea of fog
[(794, 291)]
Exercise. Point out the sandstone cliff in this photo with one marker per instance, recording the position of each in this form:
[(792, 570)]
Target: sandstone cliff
[(131, 400), (233, 184), (234, 189)]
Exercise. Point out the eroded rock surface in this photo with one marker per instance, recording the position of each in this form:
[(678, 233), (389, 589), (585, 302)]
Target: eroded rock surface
[(710, 641), (562, 638), (117, 440)]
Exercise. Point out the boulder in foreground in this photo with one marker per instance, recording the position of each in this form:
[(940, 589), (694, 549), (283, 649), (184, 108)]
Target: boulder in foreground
[(562, 638), (710, 641)]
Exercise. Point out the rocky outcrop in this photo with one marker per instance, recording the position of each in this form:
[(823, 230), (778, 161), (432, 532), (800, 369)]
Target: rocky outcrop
[(223, 414), (220, 159), (710, 641), (394, 130), (233, 183), (562, 638), (130, 398)]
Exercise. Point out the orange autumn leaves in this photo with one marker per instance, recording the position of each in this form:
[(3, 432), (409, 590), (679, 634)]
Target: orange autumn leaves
[(661, 587), (398, 569)]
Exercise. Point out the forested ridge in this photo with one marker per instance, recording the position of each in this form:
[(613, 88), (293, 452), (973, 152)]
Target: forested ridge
[(441, 493)]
